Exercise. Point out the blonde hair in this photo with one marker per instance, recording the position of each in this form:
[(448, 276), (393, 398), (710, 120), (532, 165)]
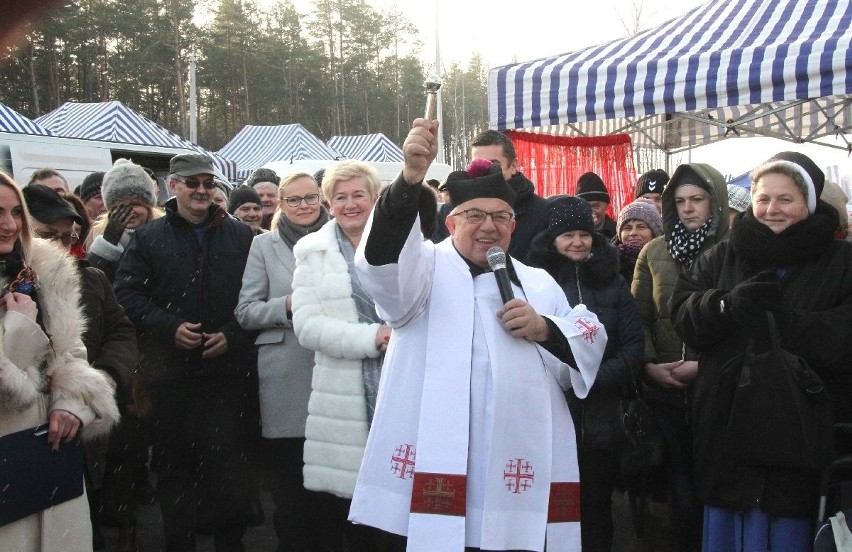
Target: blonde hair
[(26, 224), (286, 181), (347, 170), (100, 224)]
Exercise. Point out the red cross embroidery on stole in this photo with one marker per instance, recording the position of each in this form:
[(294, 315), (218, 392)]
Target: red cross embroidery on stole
[(589, 329), (402, 461), (564, 504), (518, 475), (439, 493)]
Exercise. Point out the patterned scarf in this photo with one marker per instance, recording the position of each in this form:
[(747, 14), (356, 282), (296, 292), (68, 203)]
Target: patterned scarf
[(630, 251), (25, 278), (684, 245), (371, 368)]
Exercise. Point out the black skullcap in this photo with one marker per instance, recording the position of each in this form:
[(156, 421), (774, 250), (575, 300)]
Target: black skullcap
[(91, 185), (243, 194), (463, 188), (651, 182), (591, 187), (568, 213)]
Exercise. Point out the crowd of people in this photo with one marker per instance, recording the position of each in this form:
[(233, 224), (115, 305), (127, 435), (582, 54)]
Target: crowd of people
[(422, 367)]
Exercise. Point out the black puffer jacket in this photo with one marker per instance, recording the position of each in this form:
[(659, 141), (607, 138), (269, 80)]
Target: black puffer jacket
[(166, 277), (816, 290), (597, 284)]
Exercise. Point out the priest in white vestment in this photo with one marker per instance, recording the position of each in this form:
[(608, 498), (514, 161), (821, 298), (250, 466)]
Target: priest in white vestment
[(472, 444)]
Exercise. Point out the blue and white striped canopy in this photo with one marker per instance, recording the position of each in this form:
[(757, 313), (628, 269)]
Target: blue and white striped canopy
[(255, 146), (115, 122), (367, 147), (12, 121), (764, 56)]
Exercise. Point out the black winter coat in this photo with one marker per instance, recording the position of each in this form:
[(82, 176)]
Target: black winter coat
[(597, 284), (816, 288), (166, 277)]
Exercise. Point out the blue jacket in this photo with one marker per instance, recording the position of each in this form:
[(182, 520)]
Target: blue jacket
[(597, 284)]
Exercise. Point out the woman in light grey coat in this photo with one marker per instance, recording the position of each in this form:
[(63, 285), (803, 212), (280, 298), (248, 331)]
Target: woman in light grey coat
[(284, 367)]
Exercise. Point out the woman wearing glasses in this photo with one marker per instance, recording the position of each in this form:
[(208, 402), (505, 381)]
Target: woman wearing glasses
[(44, 374), (334, 316), (284, 366)]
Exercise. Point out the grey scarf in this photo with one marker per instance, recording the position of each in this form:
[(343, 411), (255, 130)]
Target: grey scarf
[(371, 368), (291, 233)]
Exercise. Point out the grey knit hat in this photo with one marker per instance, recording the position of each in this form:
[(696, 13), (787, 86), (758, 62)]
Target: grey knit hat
[(738, 198), (127, 180), (642, 209), (262, 175)]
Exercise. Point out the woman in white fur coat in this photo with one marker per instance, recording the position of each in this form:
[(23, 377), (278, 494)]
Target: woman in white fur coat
[(44, 375), (333, 316)]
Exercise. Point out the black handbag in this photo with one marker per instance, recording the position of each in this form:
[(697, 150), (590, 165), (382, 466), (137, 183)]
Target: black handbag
[(643, 443), (780, 414), (641, 450), (34, 477)]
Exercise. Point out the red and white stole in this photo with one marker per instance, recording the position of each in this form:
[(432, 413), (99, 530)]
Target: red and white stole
[(508, 491), (523, 478)]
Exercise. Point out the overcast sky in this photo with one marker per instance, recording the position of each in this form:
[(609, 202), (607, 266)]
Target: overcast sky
[(504, 32)]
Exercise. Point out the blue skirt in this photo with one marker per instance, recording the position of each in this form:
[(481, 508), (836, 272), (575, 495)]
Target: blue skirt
[(754, 531)]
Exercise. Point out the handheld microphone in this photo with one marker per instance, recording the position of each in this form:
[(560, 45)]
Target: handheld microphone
[(497, 261)]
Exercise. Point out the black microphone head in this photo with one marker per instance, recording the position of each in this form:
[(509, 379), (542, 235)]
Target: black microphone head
[(496, 258)]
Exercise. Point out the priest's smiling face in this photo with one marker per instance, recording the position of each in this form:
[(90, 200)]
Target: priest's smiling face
[(473, 239)]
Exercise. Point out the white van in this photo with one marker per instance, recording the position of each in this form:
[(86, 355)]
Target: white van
[(22, 154)]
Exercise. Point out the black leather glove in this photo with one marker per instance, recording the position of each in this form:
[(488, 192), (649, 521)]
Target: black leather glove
[(751, 298), (118, 221)]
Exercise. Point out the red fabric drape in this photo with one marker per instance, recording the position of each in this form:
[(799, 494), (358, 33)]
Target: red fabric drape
[(554, 163)]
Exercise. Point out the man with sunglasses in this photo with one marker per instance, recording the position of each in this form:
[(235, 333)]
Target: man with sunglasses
[(472, 446), (179, 281)]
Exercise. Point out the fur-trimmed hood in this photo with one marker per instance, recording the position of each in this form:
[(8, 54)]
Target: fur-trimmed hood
[(32, 367), (598, 271)]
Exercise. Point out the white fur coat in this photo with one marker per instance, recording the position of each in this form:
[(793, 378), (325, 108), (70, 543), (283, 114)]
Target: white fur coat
[(325, 320), (40, 373)]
